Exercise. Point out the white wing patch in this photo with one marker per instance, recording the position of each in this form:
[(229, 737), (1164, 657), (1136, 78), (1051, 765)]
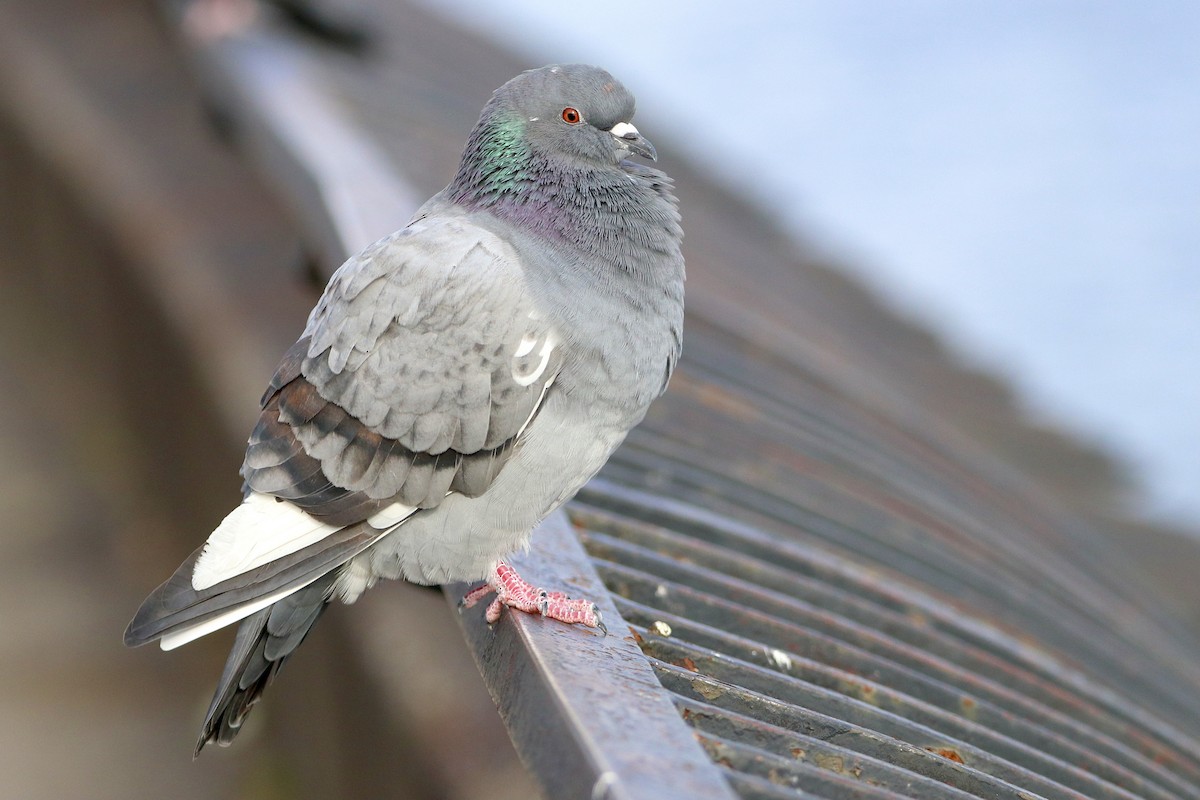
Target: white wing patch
[(526, 346), (524, 378), (257, 532)]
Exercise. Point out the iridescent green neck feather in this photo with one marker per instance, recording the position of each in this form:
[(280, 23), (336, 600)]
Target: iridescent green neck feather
[(623, 214), (497, 162)]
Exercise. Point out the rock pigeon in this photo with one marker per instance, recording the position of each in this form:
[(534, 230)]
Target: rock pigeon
[(457, 381)]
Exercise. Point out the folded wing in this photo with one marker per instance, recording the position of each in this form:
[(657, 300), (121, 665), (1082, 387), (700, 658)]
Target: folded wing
[(417, 373)]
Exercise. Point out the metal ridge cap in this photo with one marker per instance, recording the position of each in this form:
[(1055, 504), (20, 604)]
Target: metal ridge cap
[(337, 182), (616, 733)]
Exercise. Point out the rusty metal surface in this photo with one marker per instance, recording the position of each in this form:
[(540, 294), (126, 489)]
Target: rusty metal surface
[(833, 577), (844, 673), (839, 597)]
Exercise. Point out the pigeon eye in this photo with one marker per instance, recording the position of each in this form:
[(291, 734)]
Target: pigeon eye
[(571, 116)]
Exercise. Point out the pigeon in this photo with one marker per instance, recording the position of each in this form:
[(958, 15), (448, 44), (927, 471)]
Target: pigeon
[(457, 381)]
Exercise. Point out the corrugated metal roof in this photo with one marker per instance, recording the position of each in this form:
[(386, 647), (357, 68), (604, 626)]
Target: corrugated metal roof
[(836, 603), (785, 665)]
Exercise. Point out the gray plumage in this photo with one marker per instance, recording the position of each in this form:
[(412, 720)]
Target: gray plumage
[(264, 641), (456, 382)]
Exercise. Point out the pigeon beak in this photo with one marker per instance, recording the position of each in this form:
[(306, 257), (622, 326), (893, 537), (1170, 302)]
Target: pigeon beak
[(632, 141)]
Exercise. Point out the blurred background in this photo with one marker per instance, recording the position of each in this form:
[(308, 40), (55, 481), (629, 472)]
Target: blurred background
[(1021, 177), (1001, 201)]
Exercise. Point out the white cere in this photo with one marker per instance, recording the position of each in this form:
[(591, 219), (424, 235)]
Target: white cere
[(623, 129)]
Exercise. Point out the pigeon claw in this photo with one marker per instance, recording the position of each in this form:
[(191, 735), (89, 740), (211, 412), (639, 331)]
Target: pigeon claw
[(515, 592), (474, 596)]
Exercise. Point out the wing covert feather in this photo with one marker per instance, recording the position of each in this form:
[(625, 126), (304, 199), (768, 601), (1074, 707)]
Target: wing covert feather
[(419, 340), (418, 369)]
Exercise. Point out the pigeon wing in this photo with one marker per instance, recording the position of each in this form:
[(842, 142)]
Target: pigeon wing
[(419, 368)]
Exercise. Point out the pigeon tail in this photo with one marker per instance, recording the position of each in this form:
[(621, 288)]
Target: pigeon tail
[(264, 642), (178, 612)]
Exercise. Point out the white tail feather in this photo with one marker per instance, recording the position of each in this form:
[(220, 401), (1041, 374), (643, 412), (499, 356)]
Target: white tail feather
[(182, 636)]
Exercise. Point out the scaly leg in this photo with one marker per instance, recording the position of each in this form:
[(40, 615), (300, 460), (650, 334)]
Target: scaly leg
[(515, 592)]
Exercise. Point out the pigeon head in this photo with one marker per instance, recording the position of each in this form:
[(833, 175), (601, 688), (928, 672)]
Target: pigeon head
[(573, 111), (550, 156), (555, 119)]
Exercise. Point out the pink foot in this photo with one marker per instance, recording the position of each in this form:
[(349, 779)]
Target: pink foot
[(515, 592)]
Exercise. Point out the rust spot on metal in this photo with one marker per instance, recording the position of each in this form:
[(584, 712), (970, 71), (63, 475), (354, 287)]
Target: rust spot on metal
[(832, 763), (637, 637), (799, 752), (707, 690), (863, 691), (969, 707), (950, 753), (687, 664)]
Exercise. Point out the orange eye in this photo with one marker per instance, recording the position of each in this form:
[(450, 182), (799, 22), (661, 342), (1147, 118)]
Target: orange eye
[(571, 116)]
